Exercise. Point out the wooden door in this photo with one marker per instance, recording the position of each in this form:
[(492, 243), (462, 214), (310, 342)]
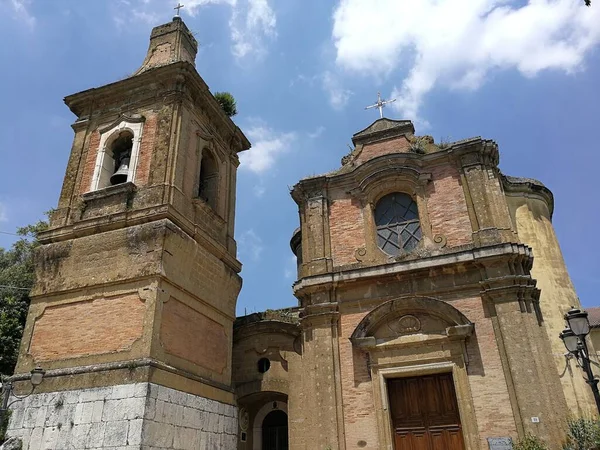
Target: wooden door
[(424, 413)]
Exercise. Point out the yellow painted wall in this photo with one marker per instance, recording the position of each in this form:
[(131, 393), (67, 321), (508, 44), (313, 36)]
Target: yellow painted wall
[(532, 221)]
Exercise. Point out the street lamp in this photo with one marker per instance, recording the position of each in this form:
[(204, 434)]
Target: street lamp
[(578, 327), (37, 376)]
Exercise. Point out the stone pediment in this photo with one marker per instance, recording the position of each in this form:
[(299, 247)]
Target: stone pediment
[(383, 129), (423, 316)]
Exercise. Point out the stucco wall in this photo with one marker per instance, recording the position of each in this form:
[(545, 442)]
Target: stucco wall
[(532, 219)]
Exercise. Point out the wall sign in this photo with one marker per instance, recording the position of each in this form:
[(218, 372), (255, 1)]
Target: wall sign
[(500, 443)]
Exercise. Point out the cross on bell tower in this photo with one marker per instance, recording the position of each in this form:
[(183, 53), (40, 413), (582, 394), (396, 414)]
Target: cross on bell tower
[(178, 7)]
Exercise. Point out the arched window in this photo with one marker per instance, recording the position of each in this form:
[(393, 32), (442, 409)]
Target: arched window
[(118, 152), (209, 179), (397, 221), (116, 160)]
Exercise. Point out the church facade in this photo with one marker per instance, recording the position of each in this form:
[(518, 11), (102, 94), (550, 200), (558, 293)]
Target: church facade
[(431, 289)]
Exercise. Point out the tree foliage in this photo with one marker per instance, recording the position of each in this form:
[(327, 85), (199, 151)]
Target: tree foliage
[(16, 279), (227, 102)]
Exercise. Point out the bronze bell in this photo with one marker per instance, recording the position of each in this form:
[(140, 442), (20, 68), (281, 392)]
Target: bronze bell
[(120, 176)]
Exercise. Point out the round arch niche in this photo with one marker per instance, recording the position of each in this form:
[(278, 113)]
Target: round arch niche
[(257, 425)]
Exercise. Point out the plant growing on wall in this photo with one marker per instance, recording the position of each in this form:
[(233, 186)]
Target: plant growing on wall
[(227, 102), (530, 442), (582, 434)]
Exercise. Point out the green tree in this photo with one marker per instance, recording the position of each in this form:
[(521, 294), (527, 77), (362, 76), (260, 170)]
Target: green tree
[(16, 279), (227, 102)]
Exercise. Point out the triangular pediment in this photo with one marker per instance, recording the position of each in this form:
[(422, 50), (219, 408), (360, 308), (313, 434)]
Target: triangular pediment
[(383, 129)]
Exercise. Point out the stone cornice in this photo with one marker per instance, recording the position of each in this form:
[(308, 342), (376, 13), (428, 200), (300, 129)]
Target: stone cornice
[(176, 79), (120, 365), (265, 327), (136, 217), (466, 153), (323, 281), (528, 187)]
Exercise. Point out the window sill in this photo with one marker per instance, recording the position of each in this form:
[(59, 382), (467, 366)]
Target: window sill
[(123, 188)]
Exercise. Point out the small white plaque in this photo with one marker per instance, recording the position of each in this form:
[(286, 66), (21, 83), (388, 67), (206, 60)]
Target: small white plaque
[(535, 419)]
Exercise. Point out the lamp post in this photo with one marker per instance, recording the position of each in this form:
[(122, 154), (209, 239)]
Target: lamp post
[(37, 376), (578, 327)]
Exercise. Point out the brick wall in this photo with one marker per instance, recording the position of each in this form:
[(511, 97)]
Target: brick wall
[(447, 206), (189, 334), (395, 145), (146, 149), (360, 421), (90, 162), (86, 328), (486, 374), (346, 230)]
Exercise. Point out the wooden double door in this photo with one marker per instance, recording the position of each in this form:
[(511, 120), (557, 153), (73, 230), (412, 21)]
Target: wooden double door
[(424, 413)]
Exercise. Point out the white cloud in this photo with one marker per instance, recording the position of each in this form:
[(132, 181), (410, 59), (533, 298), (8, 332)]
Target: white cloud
[(251, 245), (251, 23), (21, 10), (318, 132), (338, 96), (249, 26), (267, 146), (456, 43)]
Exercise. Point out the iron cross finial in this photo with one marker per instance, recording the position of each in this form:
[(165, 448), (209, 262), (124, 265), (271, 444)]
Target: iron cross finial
[(178, 7), (380, 104)]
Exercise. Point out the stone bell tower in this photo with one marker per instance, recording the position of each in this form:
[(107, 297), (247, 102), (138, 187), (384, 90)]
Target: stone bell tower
[(137, 277)]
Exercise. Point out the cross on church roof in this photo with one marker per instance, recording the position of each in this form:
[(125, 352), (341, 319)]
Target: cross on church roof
[(178, 7), (380, 104)]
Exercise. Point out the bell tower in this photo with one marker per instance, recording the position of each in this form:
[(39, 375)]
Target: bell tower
[(137, 278)]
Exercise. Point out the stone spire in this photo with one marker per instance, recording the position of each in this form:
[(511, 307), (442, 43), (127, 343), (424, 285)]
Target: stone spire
[(170, 43)]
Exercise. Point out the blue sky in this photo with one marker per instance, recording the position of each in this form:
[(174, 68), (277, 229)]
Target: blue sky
[(524, 73)]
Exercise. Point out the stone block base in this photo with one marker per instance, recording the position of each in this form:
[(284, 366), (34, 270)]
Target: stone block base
[(131, 416)]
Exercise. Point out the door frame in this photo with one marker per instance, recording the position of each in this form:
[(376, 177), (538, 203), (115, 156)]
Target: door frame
[(461, 388), (260, 417)]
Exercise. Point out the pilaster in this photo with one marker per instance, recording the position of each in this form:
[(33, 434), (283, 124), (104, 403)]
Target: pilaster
[(322, 408), (512, 302)]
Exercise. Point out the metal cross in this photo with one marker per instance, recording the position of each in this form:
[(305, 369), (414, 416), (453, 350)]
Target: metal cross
[(178, 7), (380, 104)]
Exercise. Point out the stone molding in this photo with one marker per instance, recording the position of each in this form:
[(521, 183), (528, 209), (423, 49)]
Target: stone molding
[(528, 187), (481, 254), (265, 327), (113, 366), (410, 305), (179, 79)]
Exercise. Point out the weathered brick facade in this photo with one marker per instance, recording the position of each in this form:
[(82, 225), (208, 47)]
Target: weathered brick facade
[(133, 311), (468, 285), (137, 280)]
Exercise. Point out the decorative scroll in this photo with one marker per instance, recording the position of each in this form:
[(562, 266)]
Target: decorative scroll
[(360, 254), (440, 240)]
